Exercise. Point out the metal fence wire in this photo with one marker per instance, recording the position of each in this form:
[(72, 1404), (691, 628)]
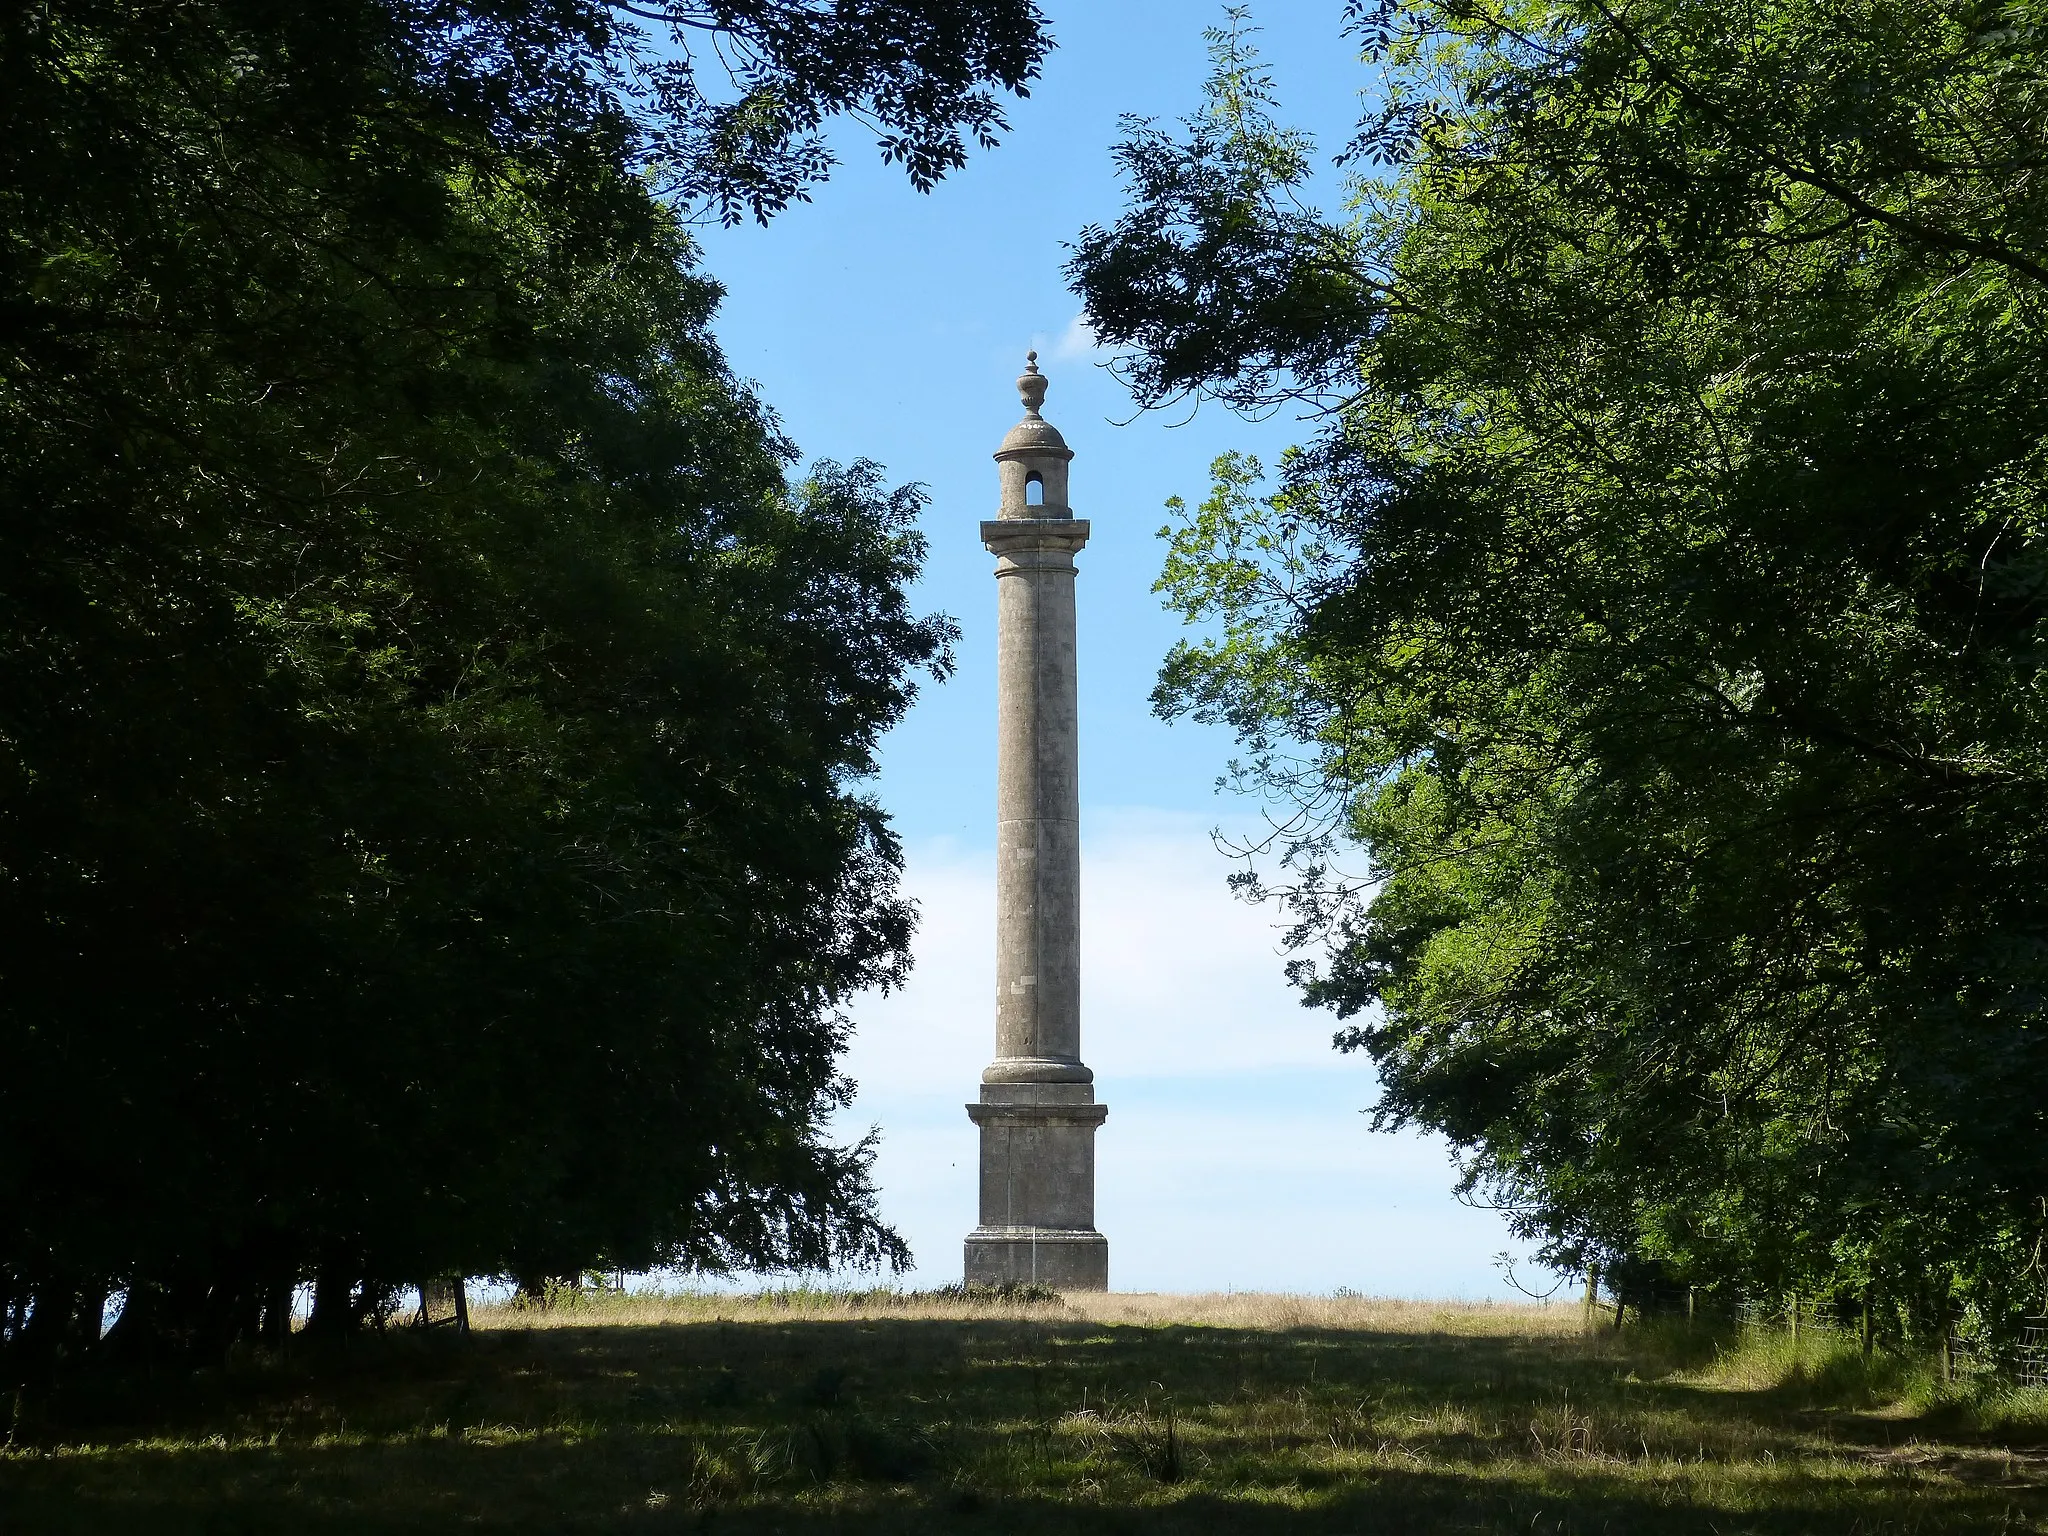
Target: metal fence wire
[(1969, 1356), (2033, 1352)]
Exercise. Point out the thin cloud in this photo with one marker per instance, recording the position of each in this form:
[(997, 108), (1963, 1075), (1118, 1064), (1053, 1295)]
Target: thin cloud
[(1077, 342)]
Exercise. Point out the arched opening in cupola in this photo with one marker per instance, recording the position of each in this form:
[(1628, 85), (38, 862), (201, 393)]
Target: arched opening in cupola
[(1034, 489)]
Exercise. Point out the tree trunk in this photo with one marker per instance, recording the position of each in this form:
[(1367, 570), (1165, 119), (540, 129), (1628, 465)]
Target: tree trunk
[(1592, 1293), (276, 1328), (234, 1314), (1869, 1325), (334, 1304), (43, 1338), (158, 1321), (133, 1338), (92, 1316)]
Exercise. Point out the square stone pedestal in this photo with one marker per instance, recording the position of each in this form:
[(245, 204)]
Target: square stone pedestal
[(1038, 1188)]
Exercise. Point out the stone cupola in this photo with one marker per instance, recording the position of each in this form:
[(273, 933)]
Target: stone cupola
[(1033, 458)]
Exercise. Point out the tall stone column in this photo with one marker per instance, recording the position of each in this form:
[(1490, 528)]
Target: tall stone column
[(1037, 1111)]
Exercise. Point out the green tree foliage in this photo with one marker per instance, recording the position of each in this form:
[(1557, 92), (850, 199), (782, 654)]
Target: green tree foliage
[(1660, 608), (431, 715)]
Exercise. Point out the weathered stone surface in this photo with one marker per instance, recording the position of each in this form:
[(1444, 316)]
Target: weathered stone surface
[(1037, 1112), (1073, 1261)]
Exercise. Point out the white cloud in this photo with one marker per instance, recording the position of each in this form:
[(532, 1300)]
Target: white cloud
[(1235, 1152), (1177, 975), (1078, 340)]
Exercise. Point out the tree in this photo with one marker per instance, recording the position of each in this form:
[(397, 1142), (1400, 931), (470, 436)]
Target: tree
[(433, 716), (1659, 607)]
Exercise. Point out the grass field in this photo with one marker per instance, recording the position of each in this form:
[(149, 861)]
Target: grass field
[(807, 1413)]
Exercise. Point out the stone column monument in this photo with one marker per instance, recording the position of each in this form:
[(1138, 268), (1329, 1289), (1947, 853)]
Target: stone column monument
[(1037, 1112)]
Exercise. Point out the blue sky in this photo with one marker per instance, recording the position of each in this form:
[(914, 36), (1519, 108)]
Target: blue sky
[(886, 325)]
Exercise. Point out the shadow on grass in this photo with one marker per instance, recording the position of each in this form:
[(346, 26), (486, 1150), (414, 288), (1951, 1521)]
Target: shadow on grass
[(904, 1427)]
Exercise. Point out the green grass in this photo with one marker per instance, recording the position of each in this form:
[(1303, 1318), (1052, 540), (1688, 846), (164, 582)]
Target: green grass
[(817, 1414)]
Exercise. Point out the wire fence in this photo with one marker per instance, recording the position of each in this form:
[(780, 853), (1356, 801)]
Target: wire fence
[(2033, 1352), (2025, 1363)]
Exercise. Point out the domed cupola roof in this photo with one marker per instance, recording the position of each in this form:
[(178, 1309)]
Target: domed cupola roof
[(1034, 434)]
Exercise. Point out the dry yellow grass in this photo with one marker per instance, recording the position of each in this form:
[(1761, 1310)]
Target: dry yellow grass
[(1249, 1309), (1256, 1310)]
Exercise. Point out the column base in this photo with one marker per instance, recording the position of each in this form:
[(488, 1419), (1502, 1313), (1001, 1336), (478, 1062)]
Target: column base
[(1071, 1258), (1038, 1183)]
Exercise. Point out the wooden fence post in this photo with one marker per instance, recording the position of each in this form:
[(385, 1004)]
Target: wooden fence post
[(1942, 1321)]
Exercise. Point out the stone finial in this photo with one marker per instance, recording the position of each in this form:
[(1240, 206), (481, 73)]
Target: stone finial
[(1031, 384)]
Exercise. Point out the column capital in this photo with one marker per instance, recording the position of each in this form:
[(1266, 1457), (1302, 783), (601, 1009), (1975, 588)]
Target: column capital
[(1012, 536)]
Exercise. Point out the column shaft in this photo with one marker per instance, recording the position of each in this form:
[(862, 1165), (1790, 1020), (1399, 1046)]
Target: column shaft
[(1038, 806)]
